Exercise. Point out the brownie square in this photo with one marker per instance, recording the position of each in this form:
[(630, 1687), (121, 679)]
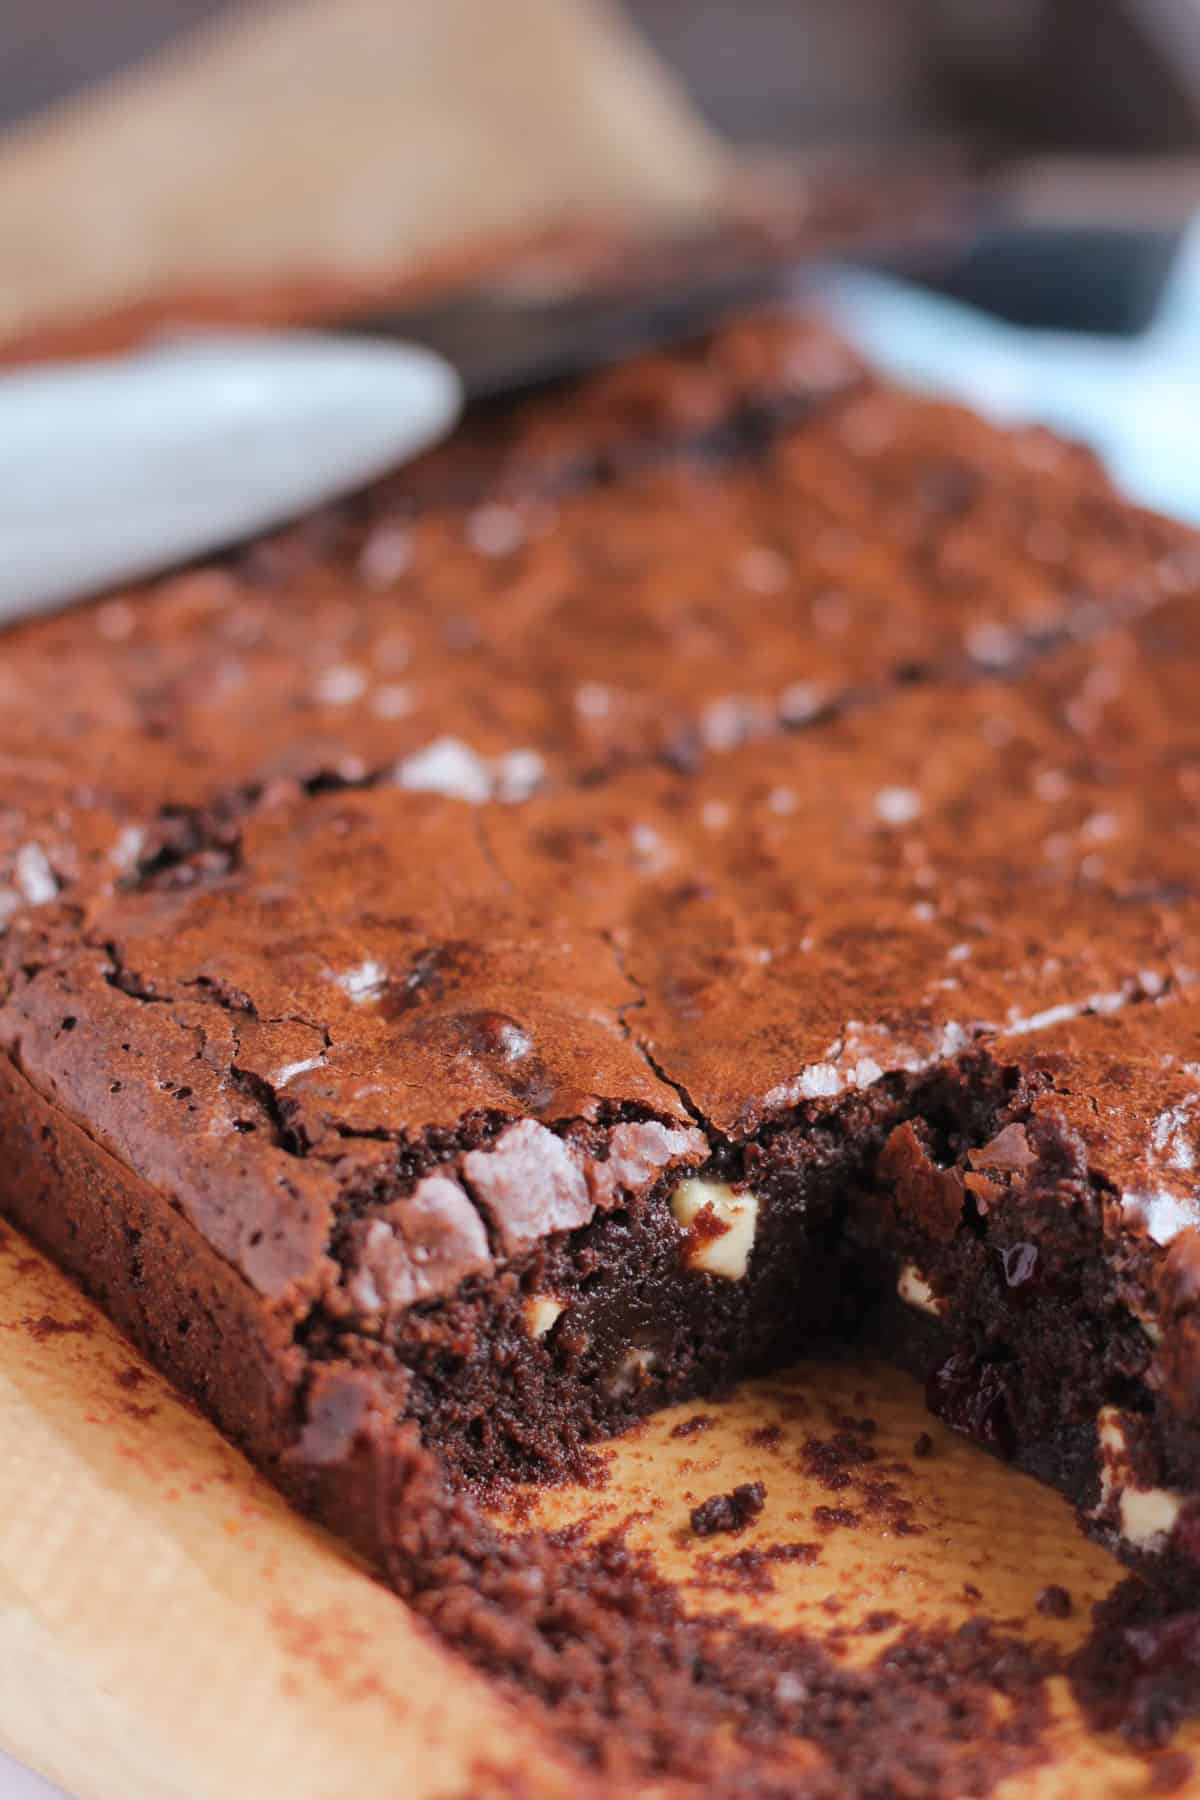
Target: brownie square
[(700, 868)]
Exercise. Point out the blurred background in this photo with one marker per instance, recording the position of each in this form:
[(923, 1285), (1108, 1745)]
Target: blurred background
[(781, 71), (277, 158), (149, 144)]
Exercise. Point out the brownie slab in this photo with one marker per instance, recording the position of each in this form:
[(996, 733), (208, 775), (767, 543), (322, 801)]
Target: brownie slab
[(568, 615), (702, 867), (521, 1119)]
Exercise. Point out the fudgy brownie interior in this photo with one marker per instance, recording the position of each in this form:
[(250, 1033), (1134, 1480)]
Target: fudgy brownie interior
[(843, 1231)]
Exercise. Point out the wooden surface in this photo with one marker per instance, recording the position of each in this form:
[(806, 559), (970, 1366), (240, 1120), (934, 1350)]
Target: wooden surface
[(168, 1628)]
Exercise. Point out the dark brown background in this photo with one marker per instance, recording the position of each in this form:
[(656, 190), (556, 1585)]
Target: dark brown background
[(776, 70), (1113, 74)]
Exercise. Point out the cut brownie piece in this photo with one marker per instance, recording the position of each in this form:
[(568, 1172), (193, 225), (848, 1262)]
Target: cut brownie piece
[(457, 1008)]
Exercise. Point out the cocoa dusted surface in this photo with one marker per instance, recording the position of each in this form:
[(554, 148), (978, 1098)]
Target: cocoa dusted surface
[(733, 766), (371, 983), (568, 618)]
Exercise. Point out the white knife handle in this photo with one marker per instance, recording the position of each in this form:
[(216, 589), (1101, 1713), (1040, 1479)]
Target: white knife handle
[(114, 468)]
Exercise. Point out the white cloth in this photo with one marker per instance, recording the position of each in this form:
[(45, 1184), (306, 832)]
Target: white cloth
[(17, 1783), (1134, 400)]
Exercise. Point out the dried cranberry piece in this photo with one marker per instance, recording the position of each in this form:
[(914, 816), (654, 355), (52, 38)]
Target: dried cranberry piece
[(1166, 1645), (1187, 1534), (1138, 1671), (972, 1396)]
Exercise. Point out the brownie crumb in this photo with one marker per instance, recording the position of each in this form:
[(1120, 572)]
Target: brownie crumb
[(132, 1410), (1054, 1602), (691, 1427), (829, 1516), (832, 1460), (924, 1712), (765, 1437), (923, 1446), (749, 1571), (802, 1553), (743, 1572), (971, 1592), (47, 1326), (129, 1376), (729, 1512)]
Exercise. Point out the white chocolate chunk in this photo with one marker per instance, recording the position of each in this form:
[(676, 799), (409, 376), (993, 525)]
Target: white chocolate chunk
[(1161, 1214), (1146, 1516), (542, 1311), (914, 1290), (340, 686), (364, 982), (638, 1362), (728, 1254), (447, 766), (1110, 1436), (897, 805), (1151, 1327), (289, 1071), (34, 876)]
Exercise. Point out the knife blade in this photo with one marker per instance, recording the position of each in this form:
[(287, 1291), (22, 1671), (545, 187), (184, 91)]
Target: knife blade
[(532, 327)]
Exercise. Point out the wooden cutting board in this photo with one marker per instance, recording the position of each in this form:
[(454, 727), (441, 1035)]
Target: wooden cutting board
[(169, 1628)]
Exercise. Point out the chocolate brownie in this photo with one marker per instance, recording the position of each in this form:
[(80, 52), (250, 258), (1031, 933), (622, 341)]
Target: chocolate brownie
[(701, 867)]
